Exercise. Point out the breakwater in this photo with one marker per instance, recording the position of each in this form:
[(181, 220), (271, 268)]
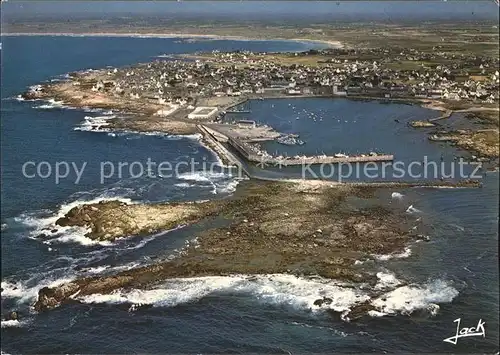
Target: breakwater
[(246, 151), (217, 141)]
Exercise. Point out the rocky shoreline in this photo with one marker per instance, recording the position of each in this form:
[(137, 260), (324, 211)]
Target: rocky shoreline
[(302, 228), (142, 114), (108, 220), (269, 228)]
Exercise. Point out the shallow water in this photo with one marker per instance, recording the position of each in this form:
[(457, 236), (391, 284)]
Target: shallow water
[(457, 270)]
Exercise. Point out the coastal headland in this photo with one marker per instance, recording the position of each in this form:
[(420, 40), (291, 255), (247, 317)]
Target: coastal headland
[(300, 227), (175, 95)]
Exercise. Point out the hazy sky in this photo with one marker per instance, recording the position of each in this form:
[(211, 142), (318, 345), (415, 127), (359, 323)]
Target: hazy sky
[(314, 10)]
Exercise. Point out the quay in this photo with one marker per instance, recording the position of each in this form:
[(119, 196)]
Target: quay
[(216, 141), (244, 150), (211, 139)]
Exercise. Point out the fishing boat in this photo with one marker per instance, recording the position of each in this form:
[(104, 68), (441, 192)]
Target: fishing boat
[(290, 139)]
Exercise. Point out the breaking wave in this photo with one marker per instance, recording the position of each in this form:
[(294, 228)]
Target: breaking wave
[(26, 292), (397, 196), (42, 223), (412, 210), (276, 288), (23, 290), (11, 323), (384, 257), (51, 104), (95, 124), (407, 299), (219, 182), (20, 98), (292, 291)]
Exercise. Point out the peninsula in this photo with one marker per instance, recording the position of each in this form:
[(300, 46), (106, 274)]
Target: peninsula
[(295, 227)]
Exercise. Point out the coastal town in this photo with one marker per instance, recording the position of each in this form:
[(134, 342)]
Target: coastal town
[(275, 223), (330, 72), (177, 93)]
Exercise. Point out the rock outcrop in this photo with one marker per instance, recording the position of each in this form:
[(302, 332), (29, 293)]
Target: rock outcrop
[(270, 228), (113, 219)]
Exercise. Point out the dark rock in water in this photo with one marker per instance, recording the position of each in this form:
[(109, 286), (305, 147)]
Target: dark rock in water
[(360, 311), (42, 235), (63, 221), (54, 230), (396, 120), (323, 301), (12, 316), (51, 297)]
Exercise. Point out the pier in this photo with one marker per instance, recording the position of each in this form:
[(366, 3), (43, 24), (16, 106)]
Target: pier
[(245, 150), (213, 140), (218, 141)]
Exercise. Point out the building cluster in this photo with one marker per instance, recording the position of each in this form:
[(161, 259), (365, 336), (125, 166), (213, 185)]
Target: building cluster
[(393, 72)]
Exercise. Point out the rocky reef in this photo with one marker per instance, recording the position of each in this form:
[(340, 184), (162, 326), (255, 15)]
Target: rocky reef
[(270, 227), (108, 220), (483, 143)]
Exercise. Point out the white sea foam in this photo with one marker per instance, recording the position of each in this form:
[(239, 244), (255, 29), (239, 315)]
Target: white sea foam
[(4, 226), (95, 124), (412, 210), (278, 289), (407, 299), (40, 221), (76, 235), (202, 176), (386, 280), (384, 257), (51, 103), (220, 182), (10, 323), (107, 268), (397, 196), (20, 98), (35, 220), (26, 292), (230, 187), (275, 289)]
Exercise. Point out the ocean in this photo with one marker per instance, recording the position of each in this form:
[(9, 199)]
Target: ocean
[(455, 275)]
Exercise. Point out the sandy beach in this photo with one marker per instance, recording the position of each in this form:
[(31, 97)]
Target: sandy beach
[(327, 43)]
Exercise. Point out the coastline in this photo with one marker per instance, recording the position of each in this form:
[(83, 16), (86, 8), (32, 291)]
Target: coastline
[(324, 237), (327, 43)]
